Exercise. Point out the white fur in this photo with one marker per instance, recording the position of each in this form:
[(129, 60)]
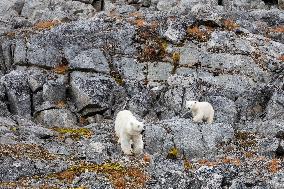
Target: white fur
[(128, 129), (201, 111)]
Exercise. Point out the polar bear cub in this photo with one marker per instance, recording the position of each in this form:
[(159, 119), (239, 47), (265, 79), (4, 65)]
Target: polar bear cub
[(201, 111), (129, 131)]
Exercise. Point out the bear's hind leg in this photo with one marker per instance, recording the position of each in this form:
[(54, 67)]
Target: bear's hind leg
[(210, 120), (198, 118), (138, 144), (126, 145)]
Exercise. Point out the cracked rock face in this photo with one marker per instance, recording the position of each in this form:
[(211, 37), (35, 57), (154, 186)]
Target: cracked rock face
[(67, 67)]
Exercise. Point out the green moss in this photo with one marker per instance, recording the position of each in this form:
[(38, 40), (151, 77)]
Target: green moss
[(74, 132)]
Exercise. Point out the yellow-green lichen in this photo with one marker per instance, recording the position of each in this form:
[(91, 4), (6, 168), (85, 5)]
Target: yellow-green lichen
[(176, 57), (74, 133), (173, 153)]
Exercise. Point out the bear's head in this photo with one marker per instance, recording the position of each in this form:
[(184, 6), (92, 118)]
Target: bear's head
[(135, 127), (190, 105)]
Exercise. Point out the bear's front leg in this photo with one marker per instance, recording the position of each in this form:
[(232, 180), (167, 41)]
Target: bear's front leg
[(138, 144), (126, 145)]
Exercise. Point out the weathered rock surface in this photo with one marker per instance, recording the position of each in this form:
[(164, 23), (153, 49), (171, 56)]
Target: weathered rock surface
[(66, 69)]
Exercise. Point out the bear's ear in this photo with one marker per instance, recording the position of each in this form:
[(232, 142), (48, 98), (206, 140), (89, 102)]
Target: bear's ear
[(131, 124)]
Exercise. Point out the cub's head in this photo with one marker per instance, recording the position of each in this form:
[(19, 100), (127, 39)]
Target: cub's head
[(190, 105), (136, 127)]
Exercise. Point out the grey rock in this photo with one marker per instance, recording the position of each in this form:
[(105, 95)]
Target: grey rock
[(155, 135), (58, 9), (174, 98), (36, 79), (91, 91), (20, 52), (140, 103), (175, 33), (192, 140), (277, 181), (54, 90), (39, 104), (225, 109), (217, 133), (169, 174), (268, 146), (46, 55), (4, 110), (209, 177), (38, 131), (57, 148), (8, 138), (92, 180), (91, 59), (159, 71), (190, 54), (18, 93), (7, 122), (165, 5), (4, 130), (12, 170), (7, 59), (57, 118), (131, 69), (242, 65), (275, 107)]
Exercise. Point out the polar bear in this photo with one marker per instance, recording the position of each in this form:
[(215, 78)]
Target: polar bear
[(201, 111), (129, 131)]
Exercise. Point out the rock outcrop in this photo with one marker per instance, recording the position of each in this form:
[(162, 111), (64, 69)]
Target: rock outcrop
[(68, 66)]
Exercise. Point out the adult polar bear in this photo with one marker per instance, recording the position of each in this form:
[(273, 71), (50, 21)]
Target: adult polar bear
[(129, 131), (201, 111)]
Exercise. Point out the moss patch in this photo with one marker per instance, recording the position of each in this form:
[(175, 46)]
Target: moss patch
[(173, 153), (121, 177), (75, 133), (31, 151)]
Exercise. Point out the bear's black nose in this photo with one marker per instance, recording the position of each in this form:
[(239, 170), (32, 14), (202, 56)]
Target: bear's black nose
[(142, 131)]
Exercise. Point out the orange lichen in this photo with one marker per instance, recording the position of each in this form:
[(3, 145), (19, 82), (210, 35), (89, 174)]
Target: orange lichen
[(154, 25), (140, 22), (46, 25), (281, 58), (121, 177), (61, 69), (230, 24), (278, 29), (136, 14), (195, 33), (274, 166), (147, 158)]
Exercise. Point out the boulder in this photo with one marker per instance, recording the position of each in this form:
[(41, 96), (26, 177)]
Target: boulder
[(91, 92), (57, 118), (18, 92)]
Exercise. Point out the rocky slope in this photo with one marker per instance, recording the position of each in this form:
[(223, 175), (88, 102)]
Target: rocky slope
[(67, 67)]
